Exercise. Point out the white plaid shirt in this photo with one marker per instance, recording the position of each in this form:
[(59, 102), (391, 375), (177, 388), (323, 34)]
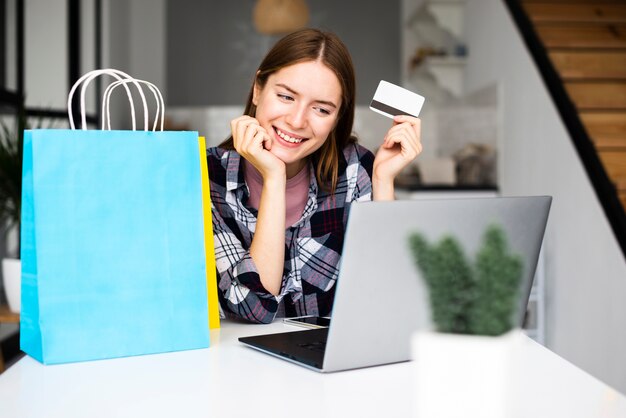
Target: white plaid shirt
[(313, 245)]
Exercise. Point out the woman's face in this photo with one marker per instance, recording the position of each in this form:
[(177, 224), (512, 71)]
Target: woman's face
[(298, 106)]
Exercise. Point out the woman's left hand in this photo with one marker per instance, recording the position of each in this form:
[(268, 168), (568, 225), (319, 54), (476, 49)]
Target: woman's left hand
[(400, 146)]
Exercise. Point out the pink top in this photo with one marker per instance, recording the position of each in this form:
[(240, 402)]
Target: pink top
[(297, 191)]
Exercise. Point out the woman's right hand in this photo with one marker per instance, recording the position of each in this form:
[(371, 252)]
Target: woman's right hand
[(254, 143)]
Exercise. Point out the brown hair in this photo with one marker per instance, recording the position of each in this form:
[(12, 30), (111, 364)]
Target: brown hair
[(312, 45)]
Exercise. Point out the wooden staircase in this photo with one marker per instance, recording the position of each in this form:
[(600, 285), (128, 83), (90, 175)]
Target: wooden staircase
[(585, 41)]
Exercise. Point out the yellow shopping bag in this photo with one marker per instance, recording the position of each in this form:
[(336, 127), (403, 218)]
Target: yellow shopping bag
[(211, 274)]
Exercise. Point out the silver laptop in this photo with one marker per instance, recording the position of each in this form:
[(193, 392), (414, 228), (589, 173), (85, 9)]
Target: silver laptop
[(381, 298)]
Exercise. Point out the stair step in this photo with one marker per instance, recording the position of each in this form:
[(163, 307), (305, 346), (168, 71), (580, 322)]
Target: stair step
[(608, 142), (597, 95), (568, 36), (615, 164), (600, 65), (571, 1), (525, 2), (604, 123), (579, 12)]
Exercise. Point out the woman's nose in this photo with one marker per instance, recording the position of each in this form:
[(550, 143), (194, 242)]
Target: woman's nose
[(297, 117)]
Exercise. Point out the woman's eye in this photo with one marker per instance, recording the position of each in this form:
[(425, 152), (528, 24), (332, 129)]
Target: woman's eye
[(285, 97), (323, 111)]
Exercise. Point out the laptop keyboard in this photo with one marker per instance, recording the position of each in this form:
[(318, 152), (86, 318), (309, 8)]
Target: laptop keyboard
[(318, 346)]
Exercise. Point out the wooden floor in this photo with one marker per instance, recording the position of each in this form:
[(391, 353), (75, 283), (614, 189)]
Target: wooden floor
[(586, 42)]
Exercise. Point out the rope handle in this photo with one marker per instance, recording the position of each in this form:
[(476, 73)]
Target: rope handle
[(158, 97), (117, 74)]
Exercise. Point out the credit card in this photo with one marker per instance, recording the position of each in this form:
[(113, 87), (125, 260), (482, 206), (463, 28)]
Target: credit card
[(391, 100)]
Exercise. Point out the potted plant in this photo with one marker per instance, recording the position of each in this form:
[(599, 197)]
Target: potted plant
[(11, 151), (465, 366)]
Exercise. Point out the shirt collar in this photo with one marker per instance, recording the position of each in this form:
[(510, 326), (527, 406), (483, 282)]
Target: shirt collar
[(235, 180)]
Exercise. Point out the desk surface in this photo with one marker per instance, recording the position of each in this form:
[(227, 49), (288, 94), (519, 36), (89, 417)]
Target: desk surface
[(229, 379)]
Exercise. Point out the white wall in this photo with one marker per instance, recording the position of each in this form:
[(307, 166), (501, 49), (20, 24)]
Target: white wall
[(134, 42), (45, 53), (585, 270), (147, 41)]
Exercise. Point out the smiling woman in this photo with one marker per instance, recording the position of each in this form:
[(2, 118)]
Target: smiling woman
[(283, 182)]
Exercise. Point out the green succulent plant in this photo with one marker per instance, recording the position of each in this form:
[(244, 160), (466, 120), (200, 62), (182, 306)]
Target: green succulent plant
[(448, 276), (470, 298)]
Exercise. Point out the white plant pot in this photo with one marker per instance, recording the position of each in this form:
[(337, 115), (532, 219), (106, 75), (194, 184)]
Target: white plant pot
[(465, 375), (12, 280)]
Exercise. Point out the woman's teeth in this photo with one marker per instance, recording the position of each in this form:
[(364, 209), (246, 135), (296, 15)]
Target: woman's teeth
[(288, 138)]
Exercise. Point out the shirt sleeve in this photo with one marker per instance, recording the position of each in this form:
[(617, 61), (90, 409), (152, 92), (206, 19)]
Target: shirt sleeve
[(241, 291), (359, 172)]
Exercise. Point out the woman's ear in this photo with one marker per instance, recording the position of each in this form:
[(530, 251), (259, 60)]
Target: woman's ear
[(256, 90)]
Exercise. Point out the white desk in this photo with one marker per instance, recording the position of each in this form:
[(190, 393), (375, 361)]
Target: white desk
[(231, 380)]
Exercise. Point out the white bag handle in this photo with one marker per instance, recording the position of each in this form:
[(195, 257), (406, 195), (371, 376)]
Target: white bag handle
[(158, 97), (86, 79)]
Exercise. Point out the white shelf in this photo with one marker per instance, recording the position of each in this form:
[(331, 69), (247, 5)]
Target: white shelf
[(449, 14), (447, 61), (437, 25), (448, 71)]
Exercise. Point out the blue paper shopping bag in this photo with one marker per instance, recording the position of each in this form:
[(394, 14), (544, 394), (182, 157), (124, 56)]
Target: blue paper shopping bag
[(113, 260), (113, 255)]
